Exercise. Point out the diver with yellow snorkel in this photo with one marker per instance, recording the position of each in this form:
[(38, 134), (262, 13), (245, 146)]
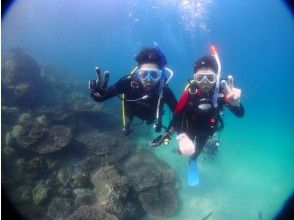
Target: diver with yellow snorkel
[(143, 92), (198, 114)]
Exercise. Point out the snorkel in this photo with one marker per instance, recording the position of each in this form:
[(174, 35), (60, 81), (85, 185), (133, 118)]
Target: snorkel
[(165, 79), (216, 90)]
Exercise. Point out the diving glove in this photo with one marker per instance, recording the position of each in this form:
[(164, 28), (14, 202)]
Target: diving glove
[(186, 146), (164, 138), (98, 86), (232, 94)]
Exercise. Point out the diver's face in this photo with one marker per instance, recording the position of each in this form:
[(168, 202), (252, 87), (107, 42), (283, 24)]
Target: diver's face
[(149, 75), (205, 78)]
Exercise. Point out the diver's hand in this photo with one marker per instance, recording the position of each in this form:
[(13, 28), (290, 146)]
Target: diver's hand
[(163, 138), (232, 94), (98, 86), (186, 145)]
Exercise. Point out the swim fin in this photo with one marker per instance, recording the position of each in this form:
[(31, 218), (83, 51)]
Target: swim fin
[(193, 175)]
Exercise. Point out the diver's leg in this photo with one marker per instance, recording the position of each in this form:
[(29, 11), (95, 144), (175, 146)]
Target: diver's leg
[(200, 142)]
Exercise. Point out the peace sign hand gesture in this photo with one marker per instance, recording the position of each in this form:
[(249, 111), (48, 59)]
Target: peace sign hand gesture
[(232, 94), (99, 85)]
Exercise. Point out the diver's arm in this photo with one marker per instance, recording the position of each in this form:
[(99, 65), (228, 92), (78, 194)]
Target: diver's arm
[(169, 98), (238, 111), (111, 91), (176, 122)]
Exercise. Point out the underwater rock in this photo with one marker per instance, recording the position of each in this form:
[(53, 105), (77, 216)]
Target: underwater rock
[(8, 139), (21, 79), (79, 102), (59, 208), (9, 114), (97, 142), (158, 202), (36, 165), (93, 162), (8, 153), (104, 148), (19, 67), (57, 138), (21, 194), (39, 193), (29, 131), (58, 113), (83, 196), (154, 183), (63, 176), (81, 180), (91, 213), (112, 192)]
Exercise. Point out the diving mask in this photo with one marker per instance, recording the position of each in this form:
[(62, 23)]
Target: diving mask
[(149, 73), (205, 75)]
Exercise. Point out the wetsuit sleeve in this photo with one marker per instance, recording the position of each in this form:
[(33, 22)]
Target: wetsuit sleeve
[(118, 88), (175, 124), (237, 110), (169, 98)]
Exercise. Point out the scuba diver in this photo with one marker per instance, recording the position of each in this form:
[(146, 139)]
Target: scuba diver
[(143, 92), (198, 114)]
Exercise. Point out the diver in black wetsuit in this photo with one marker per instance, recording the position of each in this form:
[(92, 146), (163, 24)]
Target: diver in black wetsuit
[(144, 91), (197, 116)]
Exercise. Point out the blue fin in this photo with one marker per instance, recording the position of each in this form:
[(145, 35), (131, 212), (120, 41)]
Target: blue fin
[(193, 175)]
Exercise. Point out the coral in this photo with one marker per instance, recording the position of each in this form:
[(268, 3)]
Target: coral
[(24, 117), (9, 114), (8, 139), (8, 153), (105, 147), (83, 196), (21, 80), (29, 131), (91, 213), (22, 194), (154, 183), (22, 90), (158, 202), (63, 176), (78, 102), (58, 137), (59, 208), (19, 67), (111, 191), (36, 165), (81, 180), (39, 193)]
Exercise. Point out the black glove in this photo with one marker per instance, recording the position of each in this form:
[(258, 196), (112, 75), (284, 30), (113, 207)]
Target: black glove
[(98, 86), (159, 140)]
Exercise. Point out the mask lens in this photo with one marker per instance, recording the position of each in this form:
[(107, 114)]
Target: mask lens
[(200, 77), (155, 74), (211, 78), (152, 73), (143, 74)]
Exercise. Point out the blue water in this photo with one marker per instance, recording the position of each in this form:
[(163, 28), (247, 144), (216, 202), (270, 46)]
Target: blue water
[(254, 170)]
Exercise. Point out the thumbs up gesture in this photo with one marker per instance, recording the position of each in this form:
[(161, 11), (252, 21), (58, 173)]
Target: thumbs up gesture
[(232, 94)]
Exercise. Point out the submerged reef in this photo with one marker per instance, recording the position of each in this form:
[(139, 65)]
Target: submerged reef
[(65, 157), (21, 79), (154, 183)]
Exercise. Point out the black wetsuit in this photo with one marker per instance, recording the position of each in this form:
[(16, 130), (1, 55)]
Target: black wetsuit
[(199, 124), (132, 89)]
